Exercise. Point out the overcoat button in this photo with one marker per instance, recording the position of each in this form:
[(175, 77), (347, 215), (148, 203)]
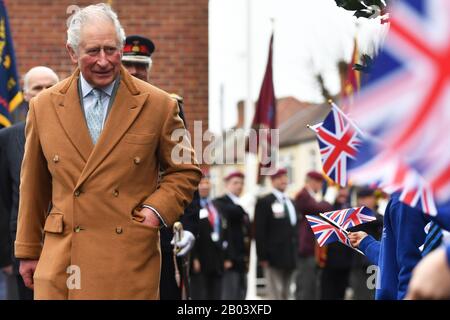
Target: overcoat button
[(137, 160), (119, 230), (77, 193), (56, 159), (116, 193), (77, 229)]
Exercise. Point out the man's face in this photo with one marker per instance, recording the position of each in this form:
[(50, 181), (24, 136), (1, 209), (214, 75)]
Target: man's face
[(235, 186), (204, 187), (342, 195), (367, 201), (37, 82), (138, 70), (99, 55), (314, 184), (280, 183)]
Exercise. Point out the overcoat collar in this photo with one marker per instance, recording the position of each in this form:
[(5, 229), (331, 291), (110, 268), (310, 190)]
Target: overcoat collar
[(127, 105)]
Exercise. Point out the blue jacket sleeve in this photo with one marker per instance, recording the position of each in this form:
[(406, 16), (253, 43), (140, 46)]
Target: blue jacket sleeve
[(409, 224), (371, 248), (447, 250)]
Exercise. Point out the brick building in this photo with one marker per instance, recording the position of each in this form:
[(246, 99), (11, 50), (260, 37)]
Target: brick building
[(179, 29)]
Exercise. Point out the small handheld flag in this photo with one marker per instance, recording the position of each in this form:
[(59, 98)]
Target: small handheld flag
[(332, 226)]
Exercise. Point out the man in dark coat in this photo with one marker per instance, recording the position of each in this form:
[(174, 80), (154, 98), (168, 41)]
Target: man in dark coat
[(207, 255), (306, 203), (12, 141), (276, 237), (236, 233)]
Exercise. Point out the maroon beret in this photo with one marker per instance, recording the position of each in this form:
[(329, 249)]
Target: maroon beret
[(205, 173), (315, 175), (234, 174), (279, 172)]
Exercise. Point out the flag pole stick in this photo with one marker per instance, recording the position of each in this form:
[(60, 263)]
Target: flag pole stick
[(334, 224), (334, 105), (310, 127)]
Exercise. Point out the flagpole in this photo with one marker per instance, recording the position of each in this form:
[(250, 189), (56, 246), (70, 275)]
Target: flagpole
[(324, 217), (250, 160), (334, 105)]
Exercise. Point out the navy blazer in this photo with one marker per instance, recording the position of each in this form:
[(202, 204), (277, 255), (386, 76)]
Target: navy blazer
[(12, 142), (276, 237)]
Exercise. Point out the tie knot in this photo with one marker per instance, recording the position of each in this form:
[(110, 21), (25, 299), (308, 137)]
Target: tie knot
[(97, 94)]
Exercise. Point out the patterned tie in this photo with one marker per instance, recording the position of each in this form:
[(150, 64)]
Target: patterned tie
[(214, 221), (211, 215), (433, 239), (94, 116)]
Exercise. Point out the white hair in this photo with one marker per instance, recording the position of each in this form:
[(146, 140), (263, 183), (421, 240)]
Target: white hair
[(88, 14), (35, 70)]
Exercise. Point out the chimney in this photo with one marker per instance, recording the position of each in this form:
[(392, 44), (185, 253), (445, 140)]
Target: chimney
[(241, 112)]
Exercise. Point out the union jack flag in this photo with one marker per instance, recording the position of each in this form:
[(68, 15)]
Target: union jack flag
[(357, 216), (405, 104), (351, 217), (369, 165), (338, 142), (325, 232)]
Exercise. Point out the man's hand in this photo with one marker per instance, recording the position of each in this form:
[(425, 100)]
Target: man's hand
[(185, 244), (26, 270), (356, 238), (228, 264), (431, 278), (150, 218), (196, 267), (8, 270)]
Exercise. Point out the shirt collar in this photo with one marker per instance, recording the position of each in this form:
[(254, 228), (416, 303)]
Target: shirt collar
[(311, 192), (234, 198), (204, 201), (86, 88), (278, 194)]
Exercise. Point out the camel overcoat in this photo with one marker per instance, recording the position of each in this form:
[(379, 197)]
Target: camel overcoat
[(79, 203)]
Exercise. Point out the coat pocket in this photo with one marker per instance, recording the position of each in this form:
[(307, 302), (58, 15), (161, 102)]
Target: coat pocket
[(138, 217), (139, 138), (54, 223)]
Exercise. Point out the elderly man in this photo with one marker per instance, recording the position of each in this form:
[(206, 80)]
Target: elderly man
[(12, 141), (137, 60), (94, 146), (276, 237)]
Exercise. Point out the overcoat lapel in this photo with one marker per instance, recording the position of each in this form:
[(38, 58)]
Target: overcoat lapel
[(68, 109), (126, 107)]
